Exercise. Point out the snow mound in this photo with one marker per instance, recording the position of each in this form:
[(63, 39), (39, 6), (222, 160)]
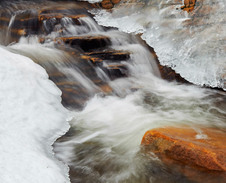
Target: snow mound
[(32, 118)]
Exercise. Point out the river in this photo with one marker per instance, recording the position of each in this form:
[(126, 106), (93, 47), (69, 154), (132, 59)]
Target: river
[(103, 143)]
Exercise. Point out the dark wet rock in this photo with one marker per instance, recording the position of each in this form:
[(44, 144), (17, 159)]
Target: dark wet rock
[(86, 43), (115, 55), (166, 72), (115, 71), (74, 94), (109, 62), (23, 23), (169, 74), (4, 19)]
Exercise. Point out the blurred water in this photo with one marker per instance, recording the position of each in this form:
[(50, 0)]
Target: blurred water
[(104, 142)]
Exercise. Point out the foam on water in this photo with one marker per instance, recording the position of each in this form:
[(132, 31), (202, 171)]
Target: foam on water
[(32, 118), (107, 134), (196, 50), (104, 142)]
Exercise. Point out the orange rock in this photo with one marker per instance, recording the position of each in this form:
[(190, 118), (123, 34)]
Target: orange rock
[(107, 4), (94, 60), (106, 88), (188, 5), (59, 16), (115, 1), (187, 146)]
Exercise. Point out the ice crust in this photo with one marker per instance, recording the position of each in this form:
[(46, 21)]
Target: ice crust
[(196, 50), (32, 118)]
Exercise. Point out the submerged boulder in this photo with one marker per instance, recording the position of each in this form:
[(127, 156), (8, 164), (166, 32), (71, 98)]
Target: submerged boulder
[(197, 147)]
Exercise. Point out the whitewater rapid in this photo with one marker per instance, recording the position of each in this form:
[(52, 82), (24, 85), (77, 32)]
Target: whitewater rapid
[(103, 144), (32, 118)]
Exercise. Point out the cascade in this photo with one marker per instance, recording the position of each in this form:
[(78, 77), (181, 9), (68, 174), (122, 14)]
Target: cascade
[(112, 87)]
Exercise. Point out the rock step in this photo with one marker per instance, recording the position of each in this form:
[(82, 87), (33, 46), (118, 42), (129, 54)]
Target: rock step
[(58, 17), (93, 60), (54, 15), (4, 20), (186, 145), (74, 95), (26, 20), (115, 66), (76, 10), (115, 55), (106, 61), (37, 22), (115, 71), (86, 43)]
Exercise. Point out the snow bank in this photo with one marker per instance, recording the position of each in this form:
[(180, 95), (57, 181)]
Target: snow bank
[(32, 118)]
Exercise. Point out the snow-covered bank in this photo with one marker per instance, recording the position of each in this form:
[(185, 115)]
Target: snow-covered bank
[(32, 118)]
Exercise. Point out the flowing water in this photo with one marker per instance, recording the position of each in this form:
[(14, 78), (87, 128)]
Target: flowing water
[(103, 143)]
